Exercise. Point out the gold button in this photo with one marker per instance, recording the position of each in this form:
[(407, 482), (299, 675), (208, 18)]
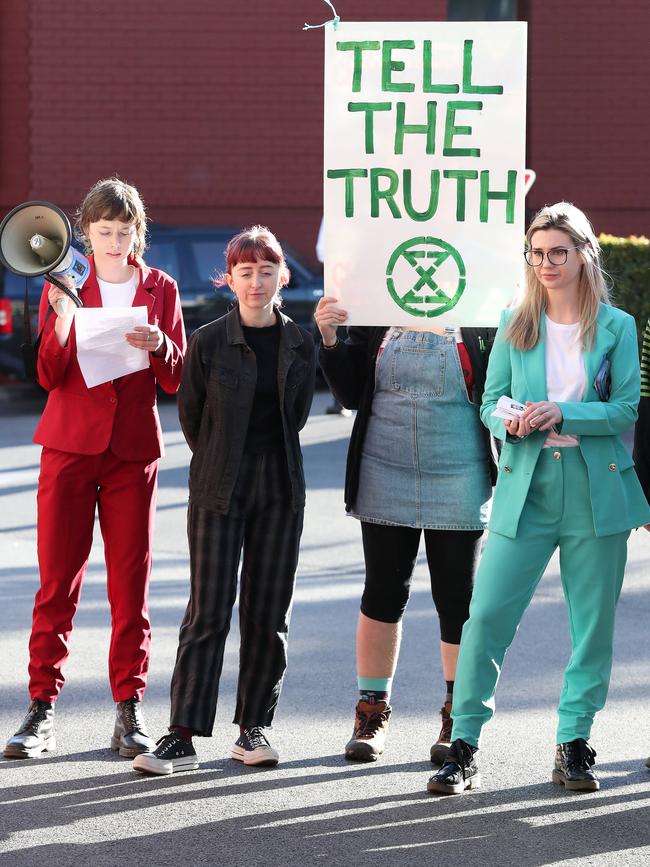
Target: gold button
[(557, 455), (612, 468), (507, 469)]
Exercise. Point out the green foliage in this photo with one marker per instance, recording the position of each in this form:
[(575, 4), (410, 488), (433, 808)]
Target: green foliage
[(627, 261)]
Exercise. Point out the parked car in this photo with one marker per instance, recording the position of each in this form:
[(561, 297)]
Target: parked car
[(192, 255), (11, 338)]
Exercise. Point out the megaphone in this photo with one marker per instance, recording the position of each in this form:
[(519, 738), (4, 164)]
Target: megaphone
[(35, 240)]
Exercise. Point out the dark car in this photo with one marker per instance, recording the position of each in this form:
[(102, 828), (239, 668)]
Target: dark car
[(11, 362), (192, 255)]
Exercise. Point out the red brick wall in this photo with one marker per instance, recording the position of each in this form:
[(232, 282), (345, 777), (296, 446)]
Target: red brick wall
[(215, 116), (588, 119), (214, 110), (15, 157)]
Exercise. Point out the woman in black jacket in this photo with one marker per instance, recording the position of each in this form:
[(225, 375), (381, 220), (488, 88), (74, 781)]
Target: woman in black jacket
[(419, 460), (245, 393)]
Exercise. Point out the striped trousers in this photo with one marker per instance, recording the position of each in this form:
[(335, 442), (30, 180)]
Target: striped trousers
[(263, 531)]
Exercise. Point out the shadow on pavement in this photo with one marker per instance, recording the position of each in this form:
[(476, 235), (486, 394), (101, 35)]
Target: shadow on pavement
[(494, 827)]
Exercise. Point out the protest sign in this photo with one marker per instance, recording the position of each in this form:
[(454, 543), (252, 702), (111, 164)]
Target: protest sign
[(424, 170)]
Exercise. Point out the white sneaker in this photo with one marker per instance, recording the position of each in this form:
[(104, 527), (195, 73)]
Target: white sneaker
[(172, 754), (253, 748)]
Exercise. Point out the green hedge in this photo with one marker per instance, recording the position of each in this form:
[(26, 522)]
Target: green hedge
[(627, 261)]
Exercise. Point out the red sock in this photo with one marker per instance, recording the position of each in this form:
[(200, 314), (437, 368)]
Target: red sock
[(184, 732)]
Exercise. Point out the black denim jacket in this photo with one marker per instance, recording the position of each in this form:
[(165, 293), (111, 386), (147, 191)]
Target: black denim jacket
[(215, 399)]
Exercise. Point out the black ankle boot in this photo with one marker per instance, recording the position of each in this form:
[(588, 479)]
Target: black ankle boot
[(573, 766), (459, 771), (130, 736), (36, 734)]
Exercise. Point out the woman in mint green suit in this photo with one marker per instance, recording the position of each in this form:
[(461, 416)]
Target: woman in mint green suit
[(565, 481)]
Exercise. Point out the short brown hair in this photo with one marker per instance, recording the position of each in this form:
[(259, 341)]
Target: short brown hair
[(113, 199)]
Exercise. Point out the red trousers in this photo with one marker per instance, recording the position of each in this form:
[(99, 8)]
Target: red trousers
[(70, 486)]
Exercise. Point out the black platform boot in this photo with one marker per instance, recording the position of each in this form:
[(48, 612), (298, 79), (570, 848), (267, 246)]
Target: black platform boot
[(459, 771), (573, 766)]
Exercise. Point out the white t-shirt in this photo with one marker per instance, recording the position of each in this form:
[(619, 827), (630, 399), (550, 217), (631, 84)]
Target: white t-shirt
[(566, 377), (119, 294)]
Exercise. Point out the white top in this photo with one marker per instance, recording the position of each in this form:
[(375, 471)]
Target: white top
[(119, 294), (566, 377)]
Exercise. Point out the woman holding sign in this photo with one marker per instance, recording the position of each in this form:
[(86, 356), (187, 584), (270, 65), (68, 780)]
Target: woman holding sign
[(419, 461), (565, 481), (101, 447)]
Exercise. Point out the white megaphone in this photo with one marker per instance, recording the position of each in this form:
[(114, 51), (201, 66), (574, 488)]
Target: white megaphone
[(35, 240)]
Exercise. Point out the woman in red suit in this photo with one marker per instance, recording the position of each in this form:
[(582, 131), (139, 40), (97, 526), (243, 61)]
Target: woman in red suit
[(101, 447)]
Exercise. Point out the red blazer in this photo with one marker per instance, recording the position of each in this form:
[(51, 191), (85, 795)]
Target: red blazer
[(121, 414)]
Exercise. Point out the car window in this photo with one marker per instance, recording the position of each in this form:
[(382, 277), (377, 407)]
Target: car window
[(14, 286), (295, 279), (164, 255), (209, 259), (300, 276)]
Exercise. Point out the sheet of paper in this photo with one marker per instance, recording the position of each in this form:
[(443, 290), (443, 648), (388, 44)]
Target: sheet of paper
[(102, 351), (508, 408)]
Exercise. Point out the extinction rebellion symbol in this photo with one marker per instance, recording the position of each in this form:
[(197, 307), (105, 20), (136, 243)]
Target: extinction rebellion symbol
[(426, 276)]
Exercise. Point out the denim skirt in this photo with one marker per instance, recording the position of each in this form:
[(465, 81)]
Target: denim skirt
[(424, 460)]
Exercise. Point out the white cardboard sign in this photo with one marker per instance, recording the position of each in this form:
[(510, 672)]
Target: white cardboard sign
[(424, 170)]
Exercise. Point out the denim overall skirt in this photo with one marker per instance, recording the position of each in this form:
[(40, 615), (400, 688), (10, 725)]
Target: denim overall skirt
[(424, 460)]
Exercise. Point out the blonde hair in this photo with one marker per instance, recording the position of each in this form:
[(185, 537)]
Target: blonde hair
[(523, 328), (113, 199)]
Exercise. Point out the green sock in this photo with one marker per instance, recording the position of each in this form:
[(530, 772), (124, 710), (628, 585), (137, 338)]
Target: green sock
[(374, 689)]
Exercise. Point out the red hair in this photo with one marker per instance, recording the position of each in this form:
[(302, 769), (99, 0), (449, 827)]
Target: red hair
[(257, 244)]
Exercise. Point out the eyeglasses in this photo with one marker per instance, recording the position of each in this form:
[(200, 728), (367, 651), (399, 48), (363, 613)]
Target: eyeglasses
[(556, 256)]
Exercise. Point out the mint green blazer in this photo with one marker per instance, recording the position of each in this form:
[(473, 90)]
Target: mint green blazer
[(617, 500)]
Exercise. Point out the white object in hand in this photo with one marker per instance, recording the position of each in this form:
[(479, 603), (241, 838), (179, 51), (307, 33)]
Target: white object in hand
[(102, 351), (62, 304), (507, 408)]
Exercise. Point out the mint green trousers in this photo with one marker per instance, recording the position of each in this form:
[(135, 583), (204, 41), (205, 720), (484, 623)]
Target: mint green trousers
[(557, 514)]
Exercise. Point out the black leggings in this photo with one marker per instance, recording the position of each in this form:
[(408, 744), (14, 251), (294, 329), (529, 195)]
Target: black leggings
[(390, 554)]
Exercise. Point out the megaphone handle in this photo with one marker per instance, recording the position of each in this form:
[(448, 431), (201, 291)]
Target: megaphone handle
[(72, 295)]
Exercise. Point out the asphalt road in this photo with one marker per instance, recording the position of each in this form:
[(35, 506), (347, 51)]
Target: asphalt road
[(84, 805)]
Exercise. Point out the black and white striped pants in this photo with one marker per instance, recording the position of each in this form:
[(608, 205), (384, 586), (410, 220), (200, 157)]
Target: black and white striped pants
[(260, 521)]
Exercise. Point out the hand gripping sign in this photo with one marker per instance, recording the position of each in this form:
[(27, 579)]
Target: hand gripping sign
[(424, 170)]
